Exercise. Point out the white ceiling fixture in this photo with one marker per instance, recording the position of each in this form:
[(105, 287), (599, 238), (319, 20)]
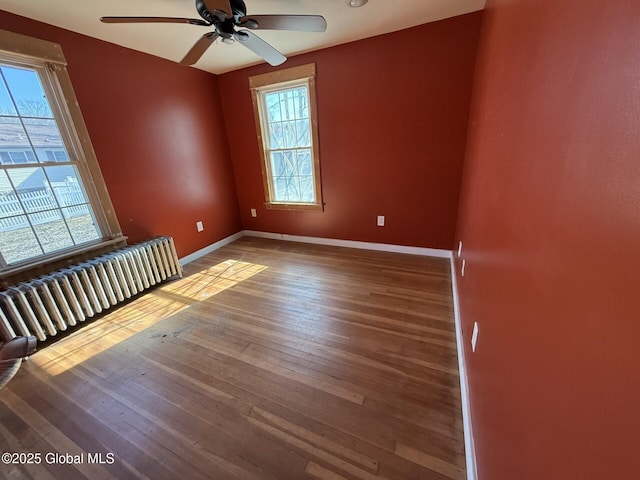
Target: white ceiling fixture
[(174, 40)]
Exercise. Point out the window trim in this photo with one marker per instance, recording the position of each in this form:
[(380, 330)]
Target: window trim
[(40, 54), (274, 81)]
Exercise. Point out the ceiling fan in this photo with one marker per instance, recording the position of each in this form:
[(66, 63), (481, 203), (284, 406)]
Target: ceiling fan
[(225, 16)]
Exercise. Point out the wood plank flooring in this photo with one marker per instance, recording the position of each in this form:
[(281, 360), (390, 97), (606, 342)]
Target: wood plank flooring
[(268, 361)]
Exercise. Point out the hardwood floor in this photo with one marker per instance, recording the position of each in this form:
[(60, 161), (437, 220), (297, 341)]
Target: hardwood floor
[(269, 360)]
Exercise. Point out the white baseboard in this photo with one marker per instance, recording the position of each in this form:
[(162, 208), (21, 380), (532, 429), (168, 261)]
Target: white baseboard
[(382, 247), (469, 446), (208, 249)]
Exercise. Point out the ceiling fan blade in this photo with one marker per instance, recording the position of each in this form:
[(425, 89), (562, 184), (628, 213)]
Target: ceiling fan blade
[(304, 23), (260, 47), (199, 48), (191, 21), (221, 6)]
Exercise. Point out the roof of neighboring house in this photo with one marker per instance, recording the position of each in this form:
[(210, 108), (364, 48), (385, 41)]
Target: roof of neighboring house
[(12, 135)]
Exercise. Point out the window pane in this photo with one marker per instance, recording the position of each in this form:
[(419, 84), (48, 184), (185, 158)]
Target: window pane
[(273, 107), (301, 97), (26, 89), (292, 103), (81, 223), (33, 189), (276, 136), (288, 105), (297, 104), (277, 164), (13, 139), (305, 165), (9, 204), (51, 230), (293, 189), (65, 185), (287, 135), (280, 189), (287, 189), (281, 104), (303, 108), (17, 240), (44, 134), (6, 105), (289, 162), (303, 133), (307, 189)]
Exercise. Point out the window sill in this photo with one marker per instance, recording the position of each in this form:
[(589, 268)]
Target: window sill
[(295, 206), (55, 261)]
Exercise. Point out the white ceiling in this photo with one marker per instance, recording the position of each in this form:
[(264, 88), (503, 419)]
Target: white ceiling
[(172, 41)]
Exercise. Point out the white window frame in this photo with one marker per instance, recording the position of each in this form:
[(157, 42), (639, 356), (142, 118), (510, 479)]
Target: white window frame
[(260, 85), (48, 60)]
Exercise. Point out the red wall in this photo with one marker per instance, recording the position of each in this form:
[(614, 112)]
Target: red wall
[(393, 114), (550, 220), (159, 135)]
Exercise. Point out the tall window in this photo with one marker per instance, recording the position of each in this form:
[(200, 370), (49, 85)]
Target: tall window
[(46, 209), (285, 108)]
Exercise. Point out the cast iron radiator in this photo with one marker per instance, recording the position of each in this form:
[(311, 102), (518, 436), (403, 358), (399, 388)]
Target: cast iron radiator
[(60, 300)]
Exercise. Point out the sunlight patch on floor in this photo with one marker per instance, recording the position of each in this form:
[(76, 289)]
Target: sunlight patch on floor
[(213, 280), (151, 308)]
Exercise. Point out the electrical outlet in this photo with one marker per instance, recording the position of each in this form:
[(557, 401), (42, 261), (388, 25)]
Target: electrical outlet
[(381, 220), (464, 265), (460, 249), (254, 213), (474, 336), (199, 226)]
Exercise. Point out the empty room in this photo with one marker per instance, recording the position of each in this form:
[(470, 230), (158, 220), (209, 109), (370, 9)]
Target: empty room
[(349, 239)]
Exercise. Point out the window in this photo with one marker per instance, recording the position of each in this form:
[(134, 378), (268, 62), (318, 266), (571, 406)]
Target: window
[(56, 155), (52, 197), (285, 110), (24, 156)]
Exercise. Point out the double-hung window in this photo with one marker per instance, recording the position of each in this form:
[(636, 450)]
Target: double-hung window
[(286, 119), (51, 203)]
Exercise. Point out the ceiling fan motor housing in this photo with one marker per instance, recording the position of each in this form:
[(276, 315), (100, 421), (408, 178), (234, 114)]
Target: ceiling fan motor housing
[(238, 8)]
